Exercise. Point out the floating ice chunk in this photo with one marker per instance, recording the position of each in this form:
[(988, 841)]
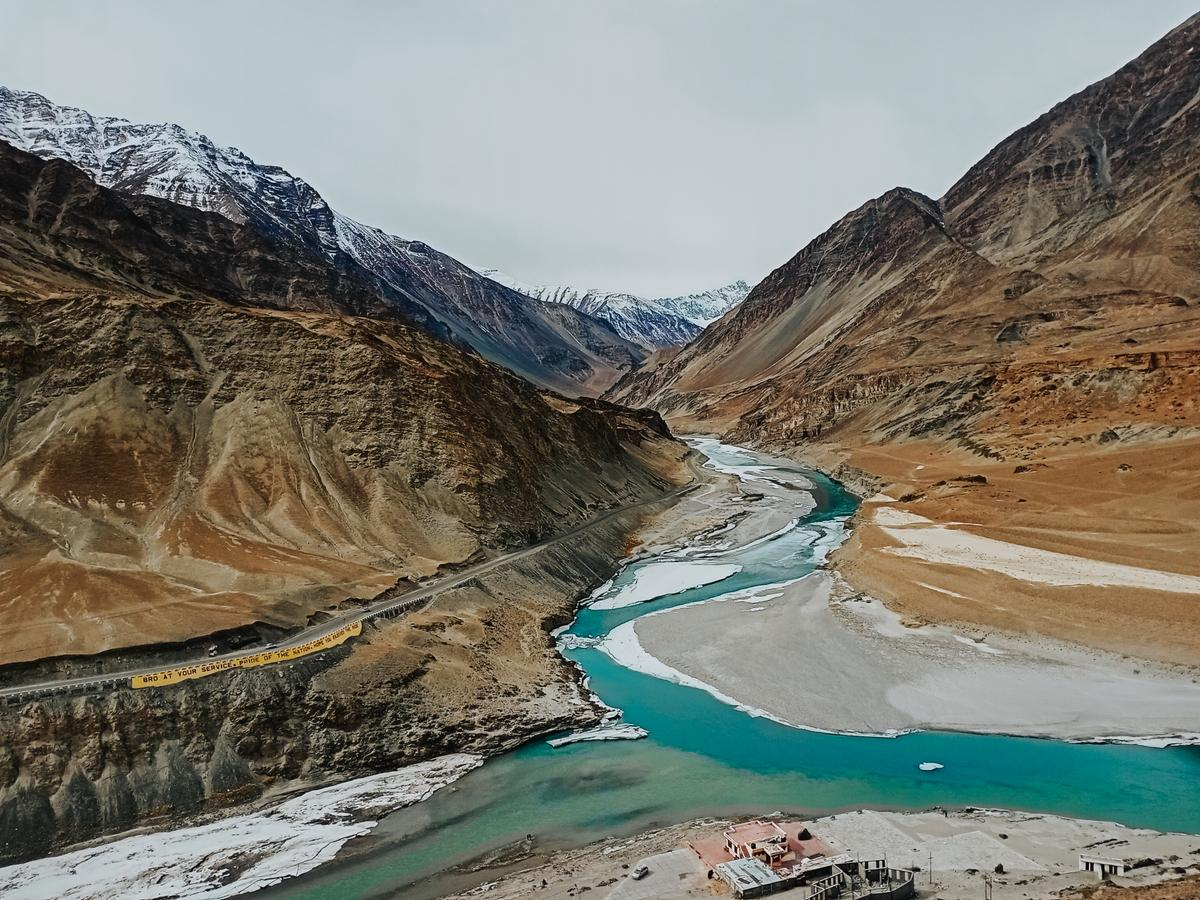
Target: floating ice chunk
[(600, 733), (568, 641), (930, 766)]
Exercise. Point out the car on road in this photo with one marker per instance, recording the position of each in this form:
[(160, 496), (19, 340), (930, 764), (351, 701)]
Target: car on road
[(640, 872)]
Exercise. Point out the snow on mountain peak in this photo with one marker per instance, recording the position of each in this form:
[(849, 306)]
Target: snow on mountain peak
[(651, 323), (168, 161), (492, 313)]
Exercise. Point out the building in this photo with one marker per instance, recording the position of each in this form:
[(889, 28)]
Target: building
[(760, 858), (751, 877), (1104, 866)]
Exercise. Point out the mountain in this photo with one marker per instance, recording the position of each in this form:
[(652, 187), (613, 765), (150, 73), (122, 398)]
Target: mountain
[(706, 307), (1022, 355), (651, 324), (573, 354), (199, 434)]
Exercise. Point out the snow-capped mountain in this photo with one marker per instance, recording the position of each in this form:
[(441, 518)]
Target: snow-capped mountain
[(642, 321), (706, 307), (649, 323), (571, 354)]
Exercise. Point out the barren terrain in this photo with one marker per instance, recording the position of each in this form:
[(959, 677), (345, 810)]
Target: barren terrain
[(1018, 361)]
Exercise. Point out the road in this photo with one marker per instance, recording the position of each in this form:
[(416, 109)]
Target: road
[(389, 608)]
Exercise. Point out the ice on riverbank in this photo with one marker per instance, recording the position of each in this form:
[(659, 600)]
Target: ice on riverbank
[(265, 847), (662, 580), (747, 471), (568, 641), (905, 678), (600, 733), (1160, 742), (830, 536)]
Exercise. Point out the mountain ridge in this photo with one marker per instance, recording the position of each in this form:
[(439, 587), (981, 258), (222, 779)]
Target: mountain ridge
[(1043, 317), (201, 431), (651, 323), (571, 354)]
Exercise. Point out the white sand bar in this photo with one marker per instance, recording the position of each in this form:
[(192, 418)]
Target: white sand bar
[(797, 657), (936, 543)]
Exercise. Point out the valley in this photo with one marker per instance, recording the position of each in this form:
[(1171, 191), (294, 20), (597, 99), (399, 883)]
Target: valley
[(1016, 360), (697, 734), (332, 567)]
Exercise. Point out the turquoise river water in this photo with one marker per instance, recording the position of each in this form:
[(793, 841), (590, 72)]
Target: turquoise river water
[(705, 757)]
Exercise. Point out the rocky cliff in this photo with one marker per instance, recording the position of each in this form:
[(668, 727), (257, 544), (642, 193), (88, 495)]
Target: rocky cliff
[(475, 670)]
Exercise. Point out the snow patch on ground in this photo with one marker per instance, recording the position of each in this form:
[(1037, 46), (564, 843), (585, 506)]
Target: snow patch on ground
[(266, 847), (938, 543)]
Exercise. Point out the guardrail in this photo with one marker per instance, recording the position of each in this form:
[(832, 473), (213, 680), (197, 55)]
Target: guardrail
[(177, 674), (249, 661)]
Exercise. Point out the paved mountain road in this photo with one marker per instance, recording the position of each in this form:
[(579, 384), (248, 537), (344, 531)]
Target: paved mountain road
[(385, 608)]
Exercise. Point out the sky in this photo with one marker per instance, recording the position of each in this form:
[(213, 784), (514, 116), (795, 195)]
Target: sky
[(651, 146)]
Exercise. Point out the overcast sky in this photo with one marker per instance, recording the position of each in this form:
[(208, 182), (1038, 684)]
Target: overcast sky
[(655, 146)]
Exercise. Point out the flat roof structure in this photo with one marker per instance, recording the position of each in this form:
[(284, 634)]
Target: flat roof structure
[(748, 877), (755, 833)]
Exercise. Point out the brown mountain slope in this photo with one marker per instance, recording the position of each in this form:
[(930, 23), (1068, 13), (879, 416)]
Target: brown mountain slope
[(197, 436), (1044, 316)]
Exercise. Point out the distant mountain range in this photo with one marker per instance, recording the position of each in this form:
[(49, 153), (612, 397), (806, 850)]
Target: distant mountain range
[(552, 346), (653, 324)]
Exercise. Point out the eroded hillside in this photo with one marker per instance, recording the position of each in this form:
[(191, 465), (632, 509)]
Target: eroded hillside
[(1020, 359), (197, 434)]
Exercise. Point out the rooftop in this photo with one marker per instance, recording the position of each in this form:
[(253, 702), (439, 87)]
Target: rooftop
[(744, 873), (755, 833), (802, 846)]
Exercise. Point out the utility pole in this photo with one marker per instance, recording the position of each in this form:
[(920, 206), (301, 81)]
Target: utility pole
[(931, 867), (987, 887)]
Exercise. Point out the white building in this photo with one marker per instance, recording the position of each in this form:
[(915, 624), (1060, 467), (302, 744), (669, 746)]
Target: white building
[(1104, 866)]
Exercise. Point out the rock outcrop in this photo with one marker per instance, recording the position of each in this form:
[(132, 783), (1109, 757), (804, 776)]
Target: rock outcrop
[(474, 671)]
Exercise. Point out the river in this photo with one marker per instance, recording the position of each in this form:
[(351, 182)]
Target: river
[(705, 757)]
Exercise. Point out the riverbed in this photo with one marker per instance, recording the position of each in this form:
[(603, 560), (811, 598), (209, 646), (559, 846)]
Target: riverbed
[(706, 755), (718, 738)]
